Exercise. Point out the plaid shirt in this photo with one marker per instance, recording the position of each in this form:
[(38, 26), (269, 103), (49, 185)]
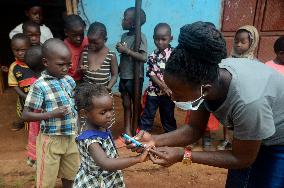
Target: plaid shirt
[(49, 93), (156, 66), (91, 174)]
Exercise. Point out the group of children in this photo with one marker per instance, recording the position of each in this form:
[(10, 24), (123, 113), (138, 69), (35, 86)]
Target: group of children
[(64, 90)]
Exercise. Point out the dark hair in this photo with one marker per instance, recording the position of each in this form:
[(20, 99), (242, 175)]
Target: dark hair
[(279, 45), (32, 3), (142, 15), (72, 21), (52, 45), (85, 92), (165, 25), (33, 58), (201, 48), (20, 36), (98, 27), (245, 31), (30, 23)]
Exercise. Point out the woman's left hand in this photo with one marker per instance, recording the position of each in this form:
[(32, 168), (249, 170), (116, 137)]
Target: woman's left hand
[(166, 156)]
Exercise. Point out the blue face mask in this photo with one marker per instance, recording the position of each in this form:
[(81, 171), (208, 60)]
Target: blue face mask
[(189, 105)]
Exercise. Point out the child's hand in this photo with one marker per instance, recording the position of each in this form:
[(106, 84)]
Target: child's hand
[(122, 48), (108, 88), (166, 90), (143, 156), (60, 112), (4, 68)]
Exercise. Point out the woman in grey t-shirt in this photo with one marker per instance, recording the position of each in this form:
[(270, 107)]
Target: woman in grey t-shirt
[(243, 94)]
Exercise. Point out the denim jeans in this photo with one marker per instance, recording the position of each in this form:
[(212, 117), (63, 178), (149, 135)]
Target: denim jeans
[(266, 172)]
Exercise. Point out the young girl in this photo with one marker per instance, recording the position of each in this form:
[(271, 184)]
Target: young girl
[(245, 43), (100, 165), (33, 58), (74, 27), (98, 63)]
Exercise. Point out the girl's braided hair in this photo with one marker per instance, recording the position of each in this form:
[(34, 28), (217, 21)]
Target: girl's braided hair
[(85, 92), (201, 48)]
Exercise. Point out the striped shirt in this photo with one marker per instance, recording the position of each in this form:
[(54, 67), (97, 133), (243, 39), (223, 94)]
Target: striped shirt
[(47, 94), (100, 76)]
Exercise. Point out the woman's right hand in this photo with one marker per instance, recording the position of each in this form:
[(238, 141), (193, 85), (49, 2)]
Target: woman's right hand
[(144, 137)]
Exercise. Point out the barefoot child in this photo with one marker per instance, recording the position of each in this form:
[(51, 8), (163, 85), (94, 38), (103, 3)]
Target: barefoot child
[(52, 94), (20, 76), (33, 59), (100, 164), (127, 59), (158, 94), (74, 28), (98, 63), (278, 62)]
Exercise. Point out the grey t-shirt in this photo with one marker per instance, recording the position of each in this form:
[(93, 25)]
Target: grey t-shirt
[(254, 106), (126, 65)]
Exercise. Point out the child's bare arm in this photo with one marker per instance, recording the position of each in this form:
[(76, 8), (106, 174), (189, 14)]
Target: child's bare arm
[(29, 115), (82, 68), (112, 164), (140, 56), (20, 92), (161, 84), (114, 72)]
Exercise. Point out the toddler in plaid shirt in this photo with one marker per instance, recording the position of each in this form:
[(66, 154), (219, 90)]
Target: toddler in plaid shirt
[(100, 165), (52, 94)]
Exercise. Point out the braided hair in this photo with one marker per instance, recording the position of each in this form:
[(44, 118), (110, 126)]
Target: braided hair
[(201, 48), (85, 92), (98, 27)]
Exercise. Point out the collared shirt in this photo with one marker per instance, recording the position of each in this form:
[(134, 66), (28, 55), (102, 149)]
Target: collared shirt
[(156, 66), (49, 93)]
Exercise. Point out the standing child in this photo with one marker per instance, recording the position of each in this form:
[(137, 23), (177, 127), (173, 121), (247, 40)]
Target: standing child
[(34, 13), (74, 27), (245, 43), (158, 94), (20, 76), (52, 94), (32, 30), (100, 165), (127, 59), (97, 61), (278, 62), (33, 59)]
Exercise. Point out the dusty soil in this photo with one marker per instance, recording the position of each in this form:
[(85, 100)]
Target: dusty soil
[(15, 173)]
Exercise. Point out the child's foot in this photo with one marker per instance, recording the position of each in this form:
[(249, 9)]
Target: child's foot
[(224, 145), (206, 143), (17, 125)]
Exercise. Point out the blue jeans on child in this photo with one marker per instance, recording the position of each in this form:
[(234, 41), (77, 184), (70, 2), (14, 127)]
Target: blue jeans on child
[(166, 108), (266, 172)]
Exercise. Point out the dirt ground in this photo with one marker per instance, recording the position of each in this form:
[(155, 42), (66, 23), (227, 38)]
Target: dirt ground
[(15, 173)]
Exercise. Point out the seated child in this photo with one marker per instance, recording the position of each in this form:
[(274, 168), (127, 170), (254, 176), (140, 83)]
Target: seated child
[(158, 94), (20, 76), (127, 59), (33, 59), (98, 63), (74, 27), (34, 13), (52, 95), (32, 30), (278, 62), (100, 164)]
